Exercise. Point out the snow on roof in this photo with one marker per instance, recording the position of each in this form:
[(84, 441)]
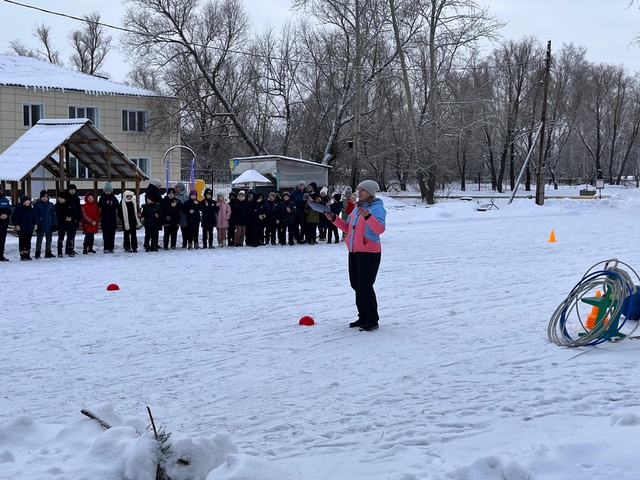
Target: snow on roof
[(36, 74), (41, 142)]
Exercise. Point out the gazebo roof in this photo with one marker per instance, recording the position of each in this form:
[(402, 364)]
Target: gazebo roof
[(41, 146)]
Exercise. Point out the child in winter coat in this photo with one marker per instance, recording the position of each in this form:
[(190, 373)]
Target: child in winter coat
[(90, 221), (209, 209), (152, 215), (222, 219), (66, 216), (108, 205), (313, 219), (271, 208), (240, 216), (47, 222), (5, 217), (130, 218), (23, 219), (286, 219), (257, 216), (191, 209), (336, 209), (171, 208)]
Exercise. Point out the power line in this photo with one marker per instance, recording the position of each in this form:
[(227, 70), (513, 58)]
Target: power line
[(245, 53)]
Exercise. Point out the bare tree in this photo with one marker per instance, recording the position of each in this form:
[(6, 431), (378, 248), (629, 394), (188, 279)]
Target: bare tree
[(90, 44), (169, 35), (45, 51)]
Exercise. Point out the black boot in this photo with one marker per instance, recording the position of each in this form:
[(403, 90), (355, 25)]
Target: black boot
[(49, 254), (37, 255), (84, 249), (60, 250)]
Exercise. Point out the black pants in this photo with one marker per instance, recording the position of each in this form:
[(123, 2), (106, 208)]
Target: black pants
[(151, 235), (130, 239), (363, 269), (231, 233), (333, 230), (193, 229), (108, 238), (311, 232), (71, 237), (89, 238), (282, 233), (3, 236), (67, 230), (270, 233), (24, 242), (170, 234), (207, 236), (185, 235)]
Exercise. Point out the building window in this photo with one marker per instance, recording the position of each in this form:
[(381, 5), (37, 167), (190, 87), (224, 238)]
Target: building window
[(143, 164), (31, 113), (92, 113), (135, 120), (77, 170)]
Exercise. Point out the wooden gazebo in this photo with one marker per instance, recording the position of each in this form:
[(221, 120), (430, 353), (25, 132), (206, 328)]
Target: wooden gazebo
[(49, 141)]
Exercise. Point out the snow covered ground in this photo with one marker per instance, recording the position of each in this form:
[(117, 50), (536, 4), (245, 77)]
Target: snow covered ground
[(460, 381)]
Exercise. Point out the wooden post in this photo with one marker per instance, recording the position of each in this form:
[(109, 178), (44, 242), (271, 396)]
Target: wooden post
[(540, 173)]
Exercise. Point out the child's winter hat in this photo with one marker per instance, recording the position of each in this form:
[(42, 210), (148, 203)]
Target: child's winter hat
[(370, 186), (241, 192), (192, 193), (72, 187), (44, 193), (303, 183), (306, 196), (23, 198), (286, 194), (107, 187), (208, 191), (180, 185), (324, 191), (272, 194), (156, 182), (348, 191), (171, 190), (337, 197)]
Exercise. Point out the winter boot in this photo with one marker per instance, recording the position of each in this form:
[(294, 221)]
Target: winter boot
[(85, 249), (90, 249), (49, 254), (37, 255), (60, 250), (25, 255), (189, 245), (196, 245)]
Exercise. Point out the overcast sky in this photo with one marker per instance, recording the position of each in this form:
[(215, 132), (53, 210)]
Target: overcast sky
[(605, 27)]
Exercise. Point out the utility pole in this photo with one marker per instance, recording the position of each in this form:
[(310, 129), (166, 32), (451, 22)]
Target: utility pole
[(540, 180)]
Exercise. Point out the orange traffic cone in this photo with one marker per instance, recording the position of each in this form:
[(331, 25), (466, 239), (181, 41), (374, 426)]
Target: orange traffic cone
[(593, 314), (552, 237)]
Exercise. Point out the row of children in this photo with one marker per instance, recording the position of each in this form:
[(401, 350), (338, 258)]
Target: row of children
[(247, 217)]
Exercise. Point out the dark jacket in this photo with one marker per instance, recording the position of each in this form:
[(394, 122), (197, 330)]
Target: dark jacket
[(271, 208), (152, 215), (240, 213), (287, 217), (257, 213), (75, 199), (209, 209), (63, 211), (6, 209), (24, 217), (108, 205), (171, 208), (153, 193), (191, 209), (45, 213)]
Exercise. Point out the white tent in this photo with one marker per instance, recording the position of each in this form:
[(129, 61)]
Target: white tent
[(251, 176)]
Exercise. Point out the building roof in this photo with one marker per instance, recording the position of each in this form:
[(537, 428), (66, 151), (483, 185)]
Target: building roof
[(35, 74), (265, 158), (42, 144)]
